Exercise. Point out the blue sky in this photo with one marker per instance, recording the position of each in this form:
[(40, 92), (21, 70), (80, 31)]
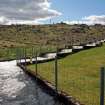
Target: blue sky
[(77, 9)]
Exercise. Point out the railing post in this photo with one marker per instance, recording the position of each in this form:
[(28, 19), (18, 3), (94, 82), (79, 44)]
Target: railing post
[(16, 56), (102, 86), (36, 67), (32, 51), (23, 53), (25, 57), (56, 71), (31, 57), (20, 54)]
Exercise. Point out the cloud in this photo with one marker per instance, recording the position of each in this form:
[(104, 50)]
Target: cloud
[(25, 11), (3, 20), (89, 20)]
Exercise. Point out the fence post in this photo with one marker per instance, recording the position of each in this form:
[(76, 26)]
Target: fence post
[(23, 53), (56, 71), (36, 67), (32, 51), (20, 55), (31, 57), (102, 86), (16, 56), (25, 57)]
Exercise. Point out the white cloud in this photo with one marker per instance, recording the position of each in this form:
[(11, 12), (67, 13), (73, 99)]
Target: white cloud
[(95, 18), (25, 11), (2, 19), (89, 20), (28, 22)]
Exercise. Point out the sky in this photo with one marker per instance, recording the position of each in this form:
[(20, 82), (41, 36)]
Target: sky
[(77, 10), (41, 11)]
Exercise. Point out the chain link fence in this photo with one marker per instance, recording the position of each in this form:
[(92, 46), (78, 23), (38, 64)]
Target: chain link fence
[(70, 76), (79, 82)]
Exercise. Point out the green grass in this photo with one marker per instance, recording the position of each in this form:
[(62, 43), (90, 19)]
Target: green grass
[(78, 74), (10, 53), (7, 53)]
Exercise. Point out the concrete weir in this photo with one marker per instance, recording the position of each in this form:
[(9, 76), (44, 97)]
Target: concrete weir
[(99, 43), (65, 52), (102, 41), (90, 45), (77, 48), (50, 55), (62, 53)]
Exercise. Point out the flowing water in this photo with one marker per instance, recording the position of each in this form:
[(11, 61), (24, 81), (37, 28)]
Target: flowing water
[(17, 88)]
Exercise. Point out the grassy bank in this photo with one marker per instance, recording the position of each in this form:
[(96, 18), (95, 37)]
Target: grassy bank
[(7, 54), (10, 53), (78, 74)]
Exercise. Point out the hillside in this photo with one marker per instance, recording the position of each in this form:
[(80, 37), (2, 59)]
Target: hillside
[(50, 35)]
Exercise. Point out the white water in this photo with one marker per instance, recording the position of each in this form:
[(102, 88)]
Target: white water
[(17, 88), (9, 84)]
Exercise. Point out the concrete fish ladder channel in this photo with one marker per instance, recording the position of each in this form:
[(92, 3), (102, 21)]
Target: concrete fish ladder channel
[(62, 53), (18, 88)]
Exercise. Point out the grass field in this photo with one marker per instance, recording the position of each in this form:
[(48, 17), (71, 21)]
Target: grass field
[(78, 74)]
